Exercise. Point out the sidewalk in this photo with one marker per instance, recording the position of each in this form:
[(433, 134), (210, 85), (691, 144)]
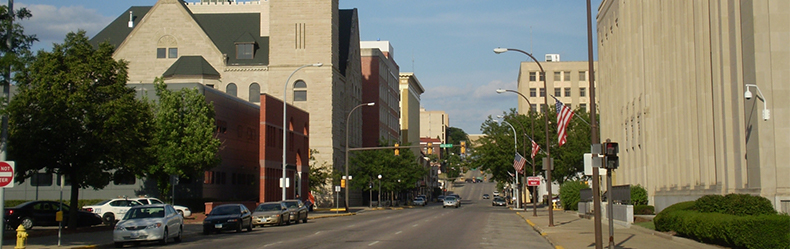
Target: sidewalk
[(571, 231)]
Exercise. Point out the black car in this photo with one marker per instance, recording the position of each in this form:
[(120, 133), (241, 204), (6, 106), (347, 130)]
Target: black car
[(498, 201), (228, 217), (42, 213)]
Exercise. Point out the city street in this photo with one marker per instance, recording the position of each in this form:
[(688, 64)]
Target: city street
[(476, 224)]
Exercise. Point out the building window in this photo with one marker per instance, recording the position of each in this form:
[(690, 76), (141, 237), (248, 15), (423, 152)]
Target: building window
[(532, 76), (543, 92), (570, 106), (244, 50), (567, 92), (533, 107), (567, 75), (557, 76), (582, 92), (558, 92), (41, 179), (222, 126), (300, 91), (582, 76), (543, 76), (172, 53), (255, 92), (532, 92), (583, 107), (231, 89), (161, 53)]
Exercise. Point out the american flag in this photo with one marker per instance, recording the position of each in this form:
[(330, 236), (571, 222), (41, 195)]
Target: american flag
[(518, 162), (564, 115), (535, 148)]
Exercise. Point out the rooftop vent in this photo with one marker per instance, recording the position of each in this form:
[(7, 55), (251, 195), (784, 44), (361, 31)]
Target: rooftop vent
[(552, 57)]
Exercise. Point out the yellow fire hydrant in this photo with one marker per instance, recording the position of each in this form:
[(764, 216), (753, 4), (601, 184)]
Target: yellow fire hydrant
[(21, 237)]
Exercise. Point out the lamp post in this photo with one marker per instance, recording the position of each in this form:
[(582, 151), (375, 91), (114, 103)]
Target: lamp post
[(515, 149), (532, 135), (379, 201), (348, 117), (285, 119), (546, 118)]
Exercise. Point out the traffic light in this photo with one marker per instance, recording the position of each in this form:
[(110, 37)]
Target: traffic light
[(397, 151), (463, 147), (430, 148), (342, 183), (610, 150)]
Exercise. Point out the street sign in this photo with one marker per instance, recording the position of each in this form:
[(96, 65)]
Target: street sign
[(533, 181), (445, 145), (6, 174), (337, 188)]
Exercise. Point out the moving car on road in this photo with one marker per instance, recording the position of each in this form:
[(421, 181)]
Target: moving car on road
[(419, 201), (228, 217), (498, 201), (158, 222), (42, 213), (485, 196), (270, 213), (112, 210), (451, 201)]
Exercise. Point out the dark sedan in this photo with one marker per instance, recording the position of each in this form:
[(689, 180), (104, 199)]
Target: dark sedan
[(42, 213), (298, 211), (228, 217), (498, 201)]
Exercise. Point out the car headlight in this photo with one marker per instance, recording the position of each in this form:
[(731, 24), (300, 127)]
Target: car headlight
[(155, 225), (120, 228)]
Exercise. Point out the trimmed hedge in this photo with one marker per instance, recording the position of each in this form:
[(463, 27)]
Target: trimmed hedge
[(734, 204), (570, 194), (644, 209)]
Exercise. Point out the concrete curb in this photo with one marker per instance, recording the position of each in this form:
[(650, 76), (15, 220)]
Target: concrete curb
[(539, 230)]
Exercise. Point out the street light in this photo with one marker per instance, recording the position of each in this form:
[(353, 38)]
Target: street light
[(546, 118), (515, 149), (532, 135), (379, 202), (348, 117), (285, 119)]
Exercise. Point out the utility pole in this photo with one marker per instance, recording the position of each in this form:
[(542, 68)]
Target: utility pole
[(596, 188)]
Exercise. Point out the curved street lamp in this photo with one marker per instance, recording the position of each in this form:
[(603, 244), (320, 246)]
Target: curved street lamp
[(348, 117), (546, 118), (532, 134), (285, 119), (515, 149)]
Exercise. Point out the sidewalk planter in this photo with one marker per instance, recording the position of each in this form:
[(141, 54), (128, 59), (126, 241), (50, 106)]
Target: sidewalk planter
[(623, 214)]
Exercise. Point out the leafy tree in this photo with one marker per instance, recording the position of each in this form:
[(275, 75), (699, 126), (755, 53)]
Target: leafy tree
[(365, 166), (184, 143), (455, 136), (18, 54), (318, 175), (73, 115)]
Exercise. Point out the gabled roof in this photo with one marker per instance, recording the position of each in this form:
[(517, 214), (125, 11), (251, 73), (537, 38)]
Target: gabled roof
[(118, 30), (345, 27), (224, 30), (191, 66)]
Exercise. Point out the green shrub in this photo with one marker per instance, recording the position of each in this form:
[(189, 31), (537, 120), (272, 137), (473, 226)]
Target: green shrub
[(745, 204), (710, 204), (644, 209), (760, 231), (667, 219), (569, 194), (638, 195)]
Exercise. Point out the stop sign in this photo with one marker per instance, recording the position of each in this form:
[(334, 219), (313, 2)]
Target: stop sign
[(6, 174)]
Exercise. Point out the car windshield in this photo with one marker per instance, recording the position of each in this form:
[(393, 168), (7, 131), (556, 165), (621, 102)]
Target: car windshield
[(155, 201), (291, 204), (144, 212), (449, 198), (418, 198), (268, 207), (226, 210)]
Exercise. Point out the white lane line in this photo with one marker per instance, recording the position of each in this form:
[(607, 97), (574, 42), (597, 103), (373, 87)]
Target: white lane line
[(415, 225), (374, 242), (399, 232), (279, 242), (316, 233)]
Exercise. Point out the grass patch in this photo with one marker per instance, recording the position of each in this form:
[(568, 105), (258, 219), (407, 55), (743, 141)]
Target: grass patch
[(647, 224)]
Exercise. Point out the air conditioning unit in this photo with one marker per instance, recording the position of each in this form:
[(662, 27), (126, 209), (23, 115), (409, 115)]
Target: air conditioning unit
[(552, 57)]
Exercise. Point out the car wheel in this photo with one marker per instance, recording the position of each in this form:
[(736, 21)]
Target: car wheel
[(443, 206), (238, 228), (305, 219), (27, 223), (118, 244), (180, 235), (297, 220), (108, 219), (163, 241), (249, 228), (288, 221)]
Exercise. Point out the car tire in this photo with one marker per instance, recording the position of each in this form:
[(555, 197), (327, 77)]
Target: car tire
[(180, 235), (288, 221), (26, 222), (238, 228), (118, 244), (163, 241), (108, 218), (305, 219), (249, 227), (443, 207)]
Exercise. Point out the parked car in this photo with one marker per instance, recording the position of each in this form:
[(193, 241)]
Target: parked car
[(270, 213), (498, 201), (42, 213), (184, 211), (228, 217), (496, 193), (419, 201), (451, 201), (158, 222), (297, 210), (112, 210), (440, 198), (485, 196)]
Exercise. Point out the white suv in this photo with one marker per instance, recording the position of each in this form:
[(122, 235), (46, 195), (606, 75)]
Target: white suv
[(112, 210), (184, 211)]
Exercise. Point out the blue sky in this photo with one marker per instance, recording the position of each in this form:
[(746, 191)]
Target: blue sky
[(448, 44)]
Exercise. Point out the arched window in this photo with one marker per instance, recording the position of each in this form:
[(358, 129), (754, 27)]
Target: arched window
[(300, 91), (231, 89), (255, 92), (166, 47)]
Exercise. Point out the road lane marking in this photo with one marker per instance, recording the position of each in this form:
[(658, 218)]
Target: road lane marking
[(374, 242), (316, 233), (399, 232), (279, 242), (415, 225)]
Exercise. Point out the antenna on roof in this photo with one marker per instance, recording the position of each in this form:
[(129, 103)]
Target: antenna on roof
[(131, 20)]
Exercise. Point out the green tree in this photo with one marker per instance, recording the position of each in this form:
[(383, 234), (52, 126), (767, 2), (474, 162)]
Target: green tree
[(73, 115), (454, 137), (18, 54), (184, 142), (318, 175), (365, 166)]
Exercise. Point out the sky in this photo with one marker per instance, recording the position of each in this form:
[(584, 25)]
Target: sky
[(448, 44)]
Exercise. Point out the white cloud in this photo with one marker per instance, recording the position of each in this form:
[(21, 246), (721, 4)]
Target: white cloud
[(50, 24), (469, 105)]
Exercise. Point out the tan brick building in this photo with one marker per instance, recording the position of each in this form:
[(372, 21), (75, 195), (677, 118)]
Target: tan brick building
[(565, 80), (675, 74), (255, 46), (410, 91)]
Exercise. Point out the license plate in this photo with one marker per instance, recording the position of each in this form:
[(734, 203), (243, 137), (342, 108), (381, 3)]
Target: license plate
[(218, 226)]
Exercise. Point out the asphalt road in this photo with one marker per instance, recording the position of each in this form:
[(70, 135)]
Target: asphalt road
[(476, 224)]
